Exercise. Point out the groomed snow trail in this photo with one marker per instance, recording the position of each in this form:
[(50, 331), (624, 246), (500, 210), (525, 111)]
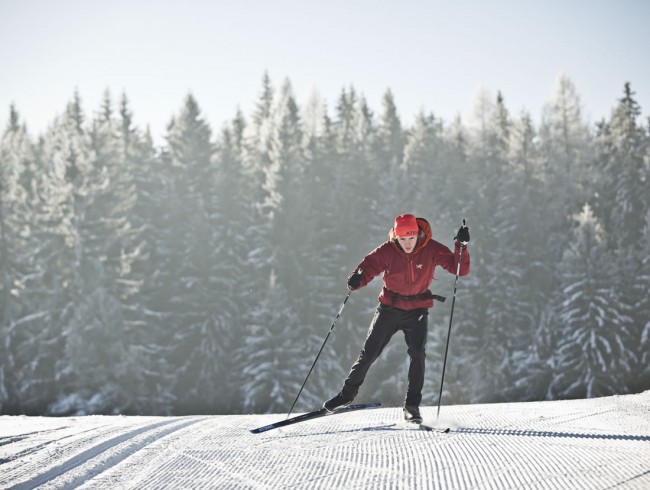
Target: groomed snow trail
[(597, 444)]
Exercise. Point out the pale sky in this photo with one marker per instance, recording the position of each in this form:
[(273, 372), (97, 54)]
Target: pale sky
[(434, 55)]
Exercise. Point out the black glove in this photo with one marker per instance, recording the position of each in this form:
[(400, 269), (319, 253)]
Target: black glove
[(354, 281), (463, 235)]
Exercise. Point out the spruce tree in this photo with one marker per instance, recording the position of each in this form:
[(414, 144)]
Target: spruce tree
[(72, 187), (593, 356), (352, 190), (149, 383), (269, 364), (17, 266), (623, 171), (483, 325), (531, 336), (147, 314), (641, 372), (192, 275), (326, 275)]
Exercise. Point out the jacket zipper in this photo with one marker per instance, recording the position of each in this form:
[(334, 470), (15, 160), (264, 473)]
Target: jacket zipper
[(412, 274)]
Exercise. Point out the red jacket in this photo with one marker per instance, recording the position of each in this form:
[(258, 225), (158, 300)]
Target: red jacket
[(410, 274)]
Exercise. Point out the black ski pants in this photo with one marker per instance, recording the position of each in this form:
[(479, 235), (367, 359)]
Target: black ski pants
[(385, 323)]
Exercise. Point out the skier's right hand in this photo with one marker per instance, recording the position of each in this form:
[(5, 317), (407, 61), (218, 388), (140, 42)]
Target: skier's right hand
[(354, 281)]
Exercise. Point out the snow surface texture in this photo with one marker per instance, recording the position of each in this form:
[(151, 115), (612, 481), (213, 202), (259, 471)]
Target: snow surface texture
[(597, 443)]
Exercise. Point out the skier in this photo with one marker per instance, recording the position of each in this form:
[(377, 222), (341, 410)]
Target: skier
[(408, 261)]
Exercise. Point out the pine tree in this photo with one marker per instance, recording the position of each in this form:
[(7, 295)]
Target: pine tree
[(565, 135), (116, 240), (287, 202), (147, 315), (237, 280), (565, 146), (641, 372), (87, 194), (255, 143), (593, 356), (566, 155), (294, 231), (69, 185), (16, 266), (326, 275), (200, 317), (273, 355), (148, 386), (628, 171), (483, 326), (623, 171), (352, 236), (428, 161), (393, 192), (256, 161), (531, 340)]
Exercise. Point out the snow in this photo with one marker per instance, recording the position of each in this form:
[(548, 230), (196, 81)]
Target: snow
[(596, 443)]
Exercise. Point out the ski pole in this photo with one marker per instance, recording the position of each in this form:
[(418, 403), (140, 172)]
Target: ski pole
[(321, 348), (451, 317)]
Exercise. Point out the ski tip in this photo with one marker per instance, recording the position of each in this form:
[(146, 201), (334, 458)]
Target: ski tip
[(262, 429)]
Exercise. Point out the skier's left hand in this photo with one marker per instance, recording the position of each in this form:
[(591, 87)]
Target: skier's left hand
[(354, 281), (462, 236)]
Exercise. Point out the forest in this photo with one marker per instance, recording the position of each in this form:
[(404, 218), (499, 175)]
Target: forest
[(201, 276)]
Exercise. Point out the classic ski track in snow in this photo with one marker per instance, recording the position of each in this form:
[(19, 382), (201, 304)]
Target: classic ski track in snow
[(597, 444), (84, 457)]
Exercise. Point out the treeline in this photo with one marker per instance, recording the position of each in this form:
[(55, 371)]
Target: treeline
[(202, 276)]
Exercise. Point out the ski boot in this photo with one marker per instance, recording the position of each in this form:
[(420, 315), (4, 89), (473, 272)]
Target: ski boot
[(412, 414), (339, 401)]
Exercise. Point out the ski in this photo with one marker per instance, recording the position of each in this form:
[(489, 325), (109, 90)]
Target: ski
[(427, 427), (314, 415), (434, 429)]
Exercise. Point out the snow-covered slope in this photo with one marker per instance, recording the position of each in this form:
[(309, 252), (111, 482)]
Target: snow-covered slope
[(597, 443)]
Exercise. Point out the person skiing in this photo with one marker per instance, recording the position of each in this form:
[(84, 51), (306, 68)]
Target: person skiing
[(408, 261)]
